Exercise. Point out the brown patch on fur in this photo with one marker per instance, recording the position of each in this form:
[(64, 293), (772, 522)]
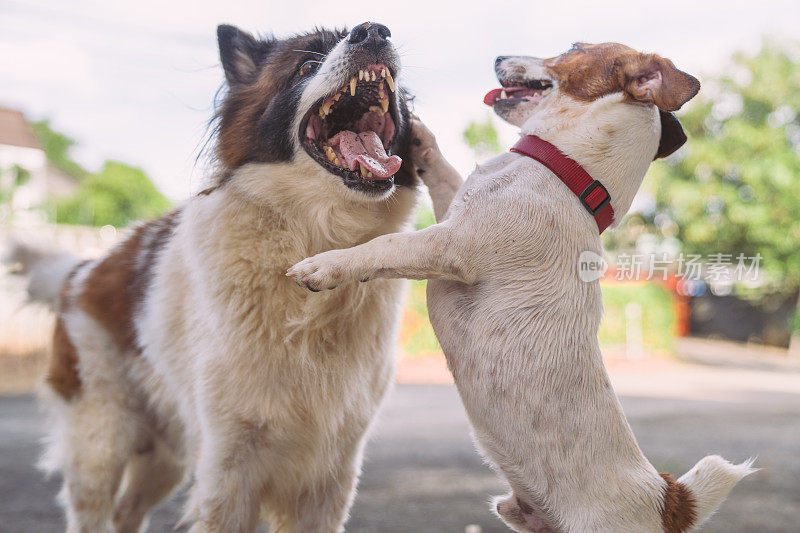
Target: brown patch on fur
[(680, 509), (62, 370), (591, 71), (239, 136), (116, 285)]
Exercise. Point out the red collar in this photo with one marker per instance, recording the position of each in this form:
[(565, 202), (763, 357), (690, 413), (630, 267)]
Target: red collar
[(592, 194)]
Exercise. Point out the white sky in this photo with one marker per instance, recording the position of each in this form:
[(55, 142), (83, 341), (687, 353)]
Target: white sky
[(135, 80)]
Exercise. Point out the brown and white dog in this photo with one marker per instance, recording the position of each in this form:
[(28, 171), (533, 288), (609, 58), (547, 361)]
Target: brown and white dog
[(515, 320), (185, 350)]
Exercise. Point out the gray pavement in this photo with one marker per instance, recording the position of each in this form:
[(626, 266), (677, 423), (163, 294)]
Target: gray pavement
[(422, 474)]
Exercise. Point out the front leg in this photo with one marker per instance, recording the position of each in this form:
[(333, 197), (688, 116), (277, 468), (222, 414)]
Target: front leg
[(442, 180), (432, 253)]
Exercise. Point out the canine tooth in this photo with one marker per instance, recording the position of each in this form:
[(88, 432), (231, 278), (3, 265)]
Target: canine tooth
[(503, 95), (383, 73), (389, 80), (385, 105), (363, 170), (373, 75), (353, 82)]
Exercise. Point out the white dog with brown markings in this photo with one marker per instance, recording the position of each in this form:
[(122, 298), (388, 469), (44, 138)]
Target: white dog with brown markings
[(516, 322)]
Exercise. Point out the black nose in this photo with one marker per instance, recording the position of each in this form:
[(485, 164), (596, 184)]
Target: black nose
[(370, 34), (499, 60)]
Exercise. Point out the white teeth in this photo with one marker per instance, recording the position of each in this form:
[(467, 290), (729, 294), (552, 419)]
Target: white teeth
[(353, 82), (360, 75), (503, 95), (336, 97), (383, 73), (385, 105), (363, 170), (389, 80), (373, 75)]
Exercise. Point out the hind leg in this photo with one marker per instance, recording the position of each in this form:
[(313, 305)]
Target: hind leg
[(521, 516), (93, 446), (150, 476)]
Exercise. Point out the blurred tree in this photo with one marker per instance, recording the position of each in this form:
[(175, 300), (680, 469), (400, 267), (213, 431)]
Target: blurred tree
[(482, 138), (56, 147), (735, 188), (117, 195)]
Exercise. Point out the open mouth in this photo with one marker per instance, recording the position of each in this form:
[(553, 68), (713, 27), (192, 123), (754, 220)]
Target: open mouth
[(350, 132), (515, 91)]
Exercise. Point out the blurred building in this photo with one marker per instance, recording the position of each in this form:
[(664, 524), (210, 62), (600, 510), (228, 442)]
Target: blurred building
[(26, 180)]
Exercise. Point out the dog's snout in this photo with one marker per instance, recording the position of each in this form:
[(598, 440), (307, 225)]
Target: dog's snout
[(370, 34)]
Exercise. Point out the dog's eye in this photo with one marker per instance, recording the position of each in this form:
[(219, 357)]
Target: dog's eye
[(308, 67)]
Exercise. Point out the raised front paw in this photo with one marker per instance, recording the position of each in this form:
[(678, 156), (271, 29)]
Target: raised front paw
[(323, 271), (423, 148)]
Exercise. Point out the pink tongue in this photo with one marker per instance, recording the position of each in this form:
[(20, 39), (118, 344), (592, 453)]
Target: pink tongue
[(365, 148)]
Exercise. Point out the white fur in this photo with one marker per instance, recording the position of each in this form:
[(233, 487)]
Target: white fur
[(519, 328)]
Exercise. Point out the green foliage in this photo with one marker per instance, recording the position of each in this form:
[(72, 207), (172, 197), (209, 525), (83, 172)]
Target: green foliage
[(417, 336), (482, 138), (117, 195), (796, 321), (734, 188), (57, 147), (658, 314), (425, 217), (21, 176)]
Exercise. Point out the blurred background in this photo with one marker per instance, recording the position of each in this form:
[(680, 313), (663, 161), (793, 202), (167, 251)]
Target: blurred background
[(103, 114)]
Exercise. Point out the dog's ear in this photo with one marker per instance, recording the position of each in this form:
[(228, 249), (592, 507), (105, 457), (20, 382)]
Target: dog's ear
[(653, 79), (672, 134), (240, 53)]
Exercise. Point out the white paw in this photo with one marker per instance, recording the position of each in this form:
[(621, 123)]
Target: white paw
[(322, 271)]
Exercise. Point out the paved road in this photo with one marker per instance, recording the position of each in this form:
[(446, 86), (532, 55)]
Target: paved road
[(422, 474)]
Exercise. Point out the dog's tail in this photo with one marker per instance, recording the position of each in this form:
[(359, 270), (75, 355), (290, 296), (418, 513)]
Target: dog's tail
[(699, 492), (47, 269)]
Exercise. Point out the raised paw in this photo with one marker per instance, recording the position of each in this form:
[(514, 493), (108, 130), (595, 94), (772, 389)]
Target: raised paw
[(323, 271), (423, 148)]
